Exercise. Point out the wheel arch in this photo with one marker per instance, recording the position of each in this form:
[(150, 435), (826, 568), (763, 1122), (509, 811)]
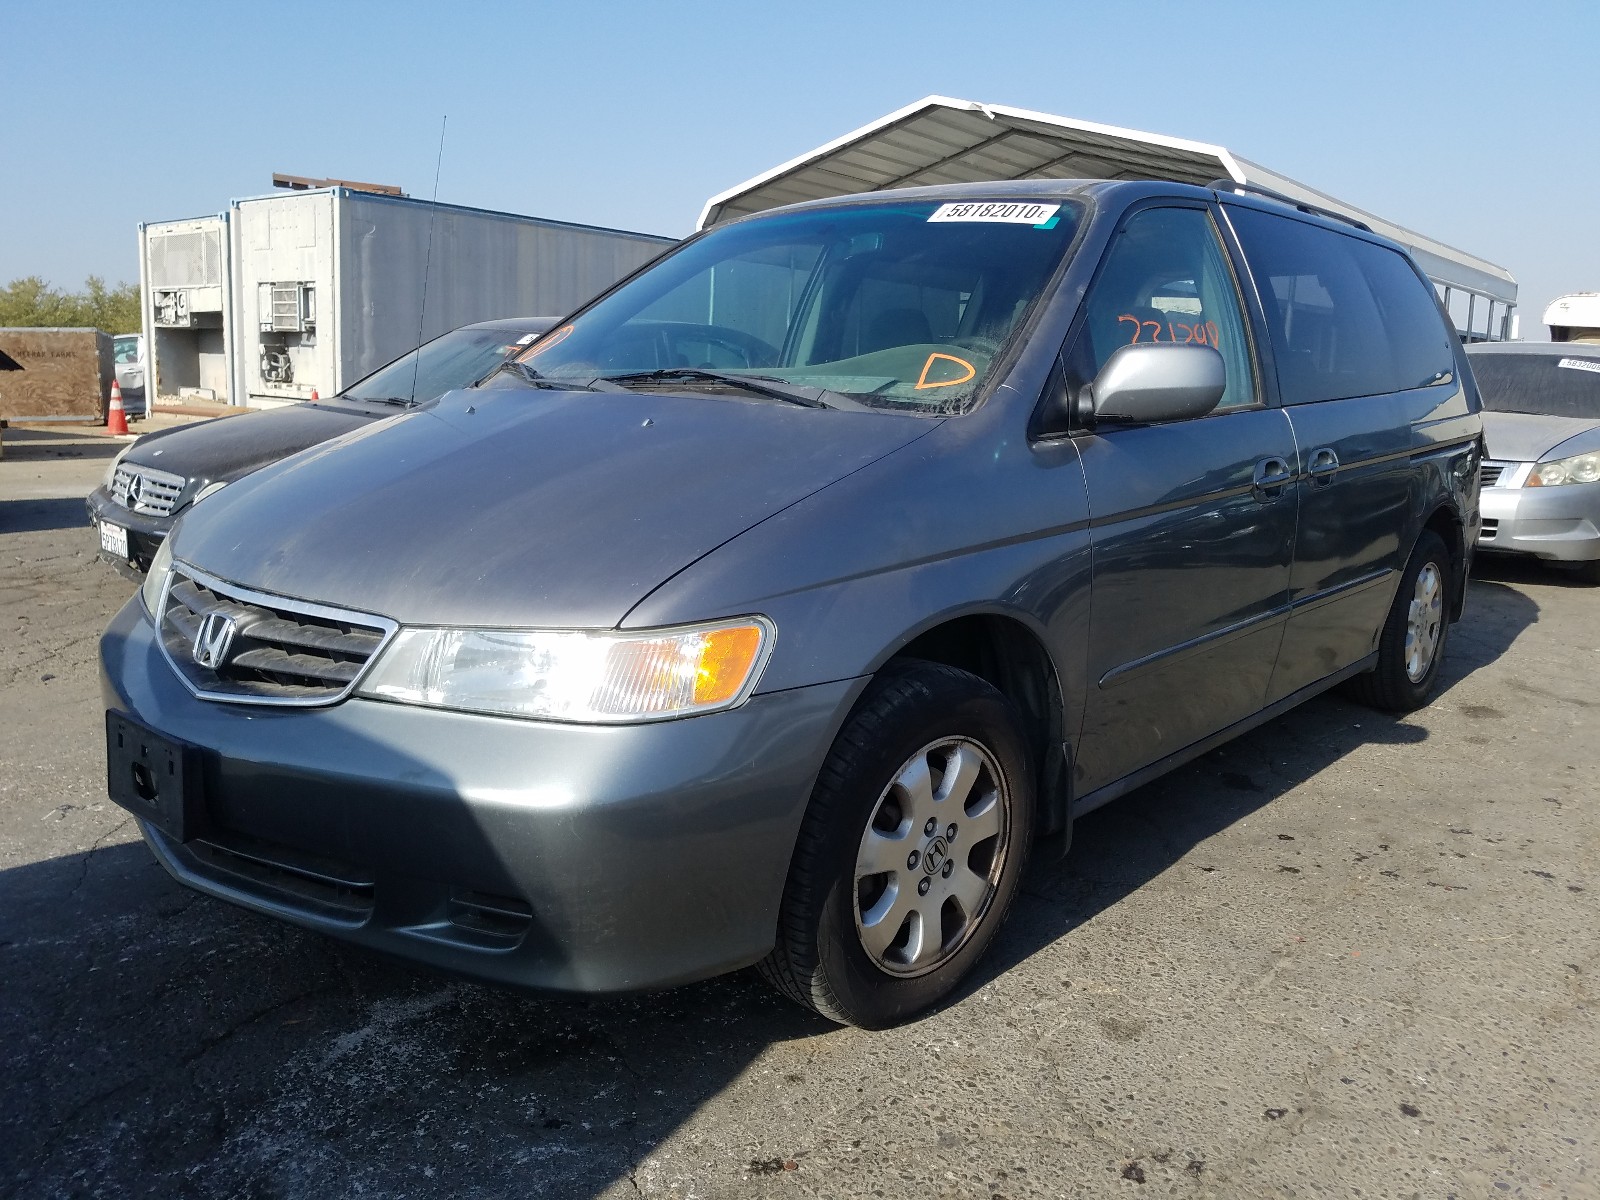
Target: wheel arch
[(1446, 522), (1009, 654)]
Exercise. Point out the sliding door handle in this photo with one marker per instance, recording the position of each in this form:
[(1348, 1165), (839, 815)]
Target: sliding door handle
[(1272, 476)]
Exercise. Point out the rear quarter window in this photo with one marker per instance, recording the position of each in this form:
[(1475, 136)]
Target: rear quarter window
[(1347, 317)]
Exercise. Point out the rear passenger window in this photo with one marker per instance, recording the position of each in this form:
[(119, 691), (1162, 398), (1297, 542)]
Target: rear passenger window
[(1347, 317), (1165, 278)]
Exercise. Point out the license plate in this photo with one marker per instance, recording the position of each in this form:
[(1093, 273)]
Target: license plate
[(114, 539), (153, 777)]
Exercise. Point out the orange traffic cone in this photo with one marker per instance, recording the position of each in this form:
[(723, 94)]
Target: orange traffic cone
[(116, 419), (313, 393)]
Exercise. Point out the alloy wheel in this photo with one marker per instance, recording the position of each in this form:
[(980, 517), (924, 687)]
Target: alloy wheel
[(931, 856), (1424, 620)]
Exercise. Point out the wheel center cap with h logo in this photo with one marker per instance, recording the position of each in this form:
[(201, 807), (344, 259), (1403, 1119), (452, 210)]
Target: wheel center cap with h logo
[(213, 639), (934, 856)]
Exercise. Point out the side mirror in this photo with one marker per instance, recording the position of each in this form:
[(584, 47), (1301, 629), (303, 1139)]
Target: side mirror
[(1148, 384)]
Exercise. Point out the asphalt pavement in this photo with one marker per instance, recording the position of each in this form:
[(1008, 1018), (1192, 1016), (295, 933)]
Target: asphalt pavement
[(1345, 955)]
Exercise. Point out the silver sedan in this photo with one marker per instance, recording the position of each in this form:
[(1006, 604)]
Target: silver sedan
[(1541, 480)]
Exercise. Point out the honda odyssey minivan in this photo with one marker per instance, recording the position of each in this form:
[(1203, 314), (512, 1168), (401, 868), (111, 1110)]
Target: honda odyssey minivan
[(772, 607)]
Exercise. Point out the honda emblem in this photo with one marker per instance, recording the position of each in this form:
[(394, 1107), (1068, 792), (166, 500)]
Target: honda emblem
[(212, 640)]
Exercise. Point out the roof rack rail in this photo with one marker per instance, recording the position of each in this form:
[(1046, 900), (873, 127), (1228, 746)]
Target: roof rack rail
[(1305, 206)]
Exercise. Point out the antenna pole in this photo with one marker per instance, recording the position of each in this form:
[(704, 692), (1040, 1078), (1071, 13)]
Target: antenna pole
[(427, 261)]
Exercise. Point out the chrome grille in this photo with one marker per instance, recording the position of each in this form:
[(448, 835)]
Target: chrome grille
[(146, 490), (274, 651), (1489, 529), (1489, 472)]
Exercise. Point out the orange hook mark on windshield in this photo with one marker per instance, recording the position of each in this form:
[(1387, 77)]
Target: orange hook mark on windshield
[(544, 343), (922, 381)]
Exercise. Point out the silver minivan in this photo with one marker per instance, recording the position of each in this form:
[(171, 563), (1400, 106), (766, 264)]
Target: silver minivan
[(774, 606)]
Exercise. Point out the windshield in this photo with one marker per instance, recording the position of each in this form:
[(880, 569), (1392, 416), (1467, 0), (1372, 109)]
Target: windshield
[(125, 348), (1548, 385), (895, 305), (456, 359)]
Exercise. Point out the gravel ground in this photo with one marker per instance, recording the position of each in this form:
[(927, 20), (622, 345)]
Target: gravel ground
[(1345, 955)]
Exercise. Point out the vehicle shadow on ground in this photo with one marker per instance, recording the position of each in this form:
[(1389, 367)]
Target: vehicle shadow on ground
[(157, 1037), (161, 1041), (38, 445), (1524, 569), (41, 516), (1121, 847)]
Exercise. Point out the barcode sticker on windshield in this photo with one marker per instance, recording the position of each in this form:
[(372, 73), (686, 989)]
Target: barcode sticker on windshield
[(1581, 364), (1037, 215)]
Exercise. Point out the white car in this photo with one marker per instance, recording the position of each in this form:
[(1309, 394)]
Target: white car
[(1541, 480), (128, 349)]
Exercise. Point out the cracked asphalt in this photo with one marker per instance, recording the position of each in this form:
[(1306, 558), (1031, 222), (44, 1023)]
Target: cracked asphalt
[(1346, 955)]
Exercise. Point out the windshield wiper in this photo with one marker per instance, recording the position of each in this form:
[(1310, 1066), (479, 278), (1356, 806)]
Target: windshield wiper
[(760, 385), (529, 376)]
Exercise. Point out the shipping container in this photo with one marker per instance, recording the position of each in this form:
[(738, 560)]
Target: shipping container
[(307, 291), (184, 287)]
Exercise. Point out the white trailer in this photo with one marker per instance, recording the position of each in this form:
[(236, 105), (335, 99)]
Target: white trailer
[(320, 287)]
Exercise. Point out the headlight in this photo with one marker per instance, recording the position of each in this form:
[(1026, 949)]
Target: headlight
[(561, 675), (1581, 468), (210, 489), (156, 578)]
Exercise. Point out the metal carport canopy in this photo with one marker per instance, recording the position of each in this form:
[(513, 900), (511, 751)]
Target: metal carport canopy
[(941, 140)]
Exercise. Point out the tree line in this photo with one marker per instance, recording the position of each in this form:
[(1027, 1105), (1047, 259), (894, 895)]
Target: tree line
[(31, 303)]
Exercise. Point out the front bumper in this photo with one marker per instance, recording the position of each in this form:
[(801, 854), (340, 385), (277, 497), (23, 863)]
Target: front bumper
[(1557, 523), (561, 857), (145, 532)]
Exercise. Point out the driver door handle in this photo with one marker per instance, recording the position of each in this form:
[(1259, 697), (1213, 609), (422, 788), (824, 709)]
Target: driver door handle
[(1324, 464), (1272, 476)]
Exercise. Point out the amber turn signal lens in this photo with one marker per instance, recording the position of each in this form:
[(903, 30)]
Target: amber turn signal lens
[(726, 659)]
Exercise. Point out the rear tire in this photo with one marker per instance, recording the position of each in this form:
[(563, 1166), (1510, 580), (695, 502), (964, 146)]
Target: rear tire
[(911, 851), (1412, 645)]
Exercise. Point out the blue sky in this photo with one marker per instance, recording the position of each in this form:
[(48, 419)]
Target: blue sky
[(1473, 123)]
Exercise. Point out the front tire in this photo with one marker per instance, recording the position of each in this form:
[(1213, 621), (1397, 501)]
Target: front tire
[(911, 851), (1411, 647)]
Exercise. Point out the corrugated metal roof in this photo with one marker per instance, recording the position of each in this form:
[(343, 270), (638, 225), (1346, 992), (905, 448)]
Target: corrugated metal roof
[(940, 140)]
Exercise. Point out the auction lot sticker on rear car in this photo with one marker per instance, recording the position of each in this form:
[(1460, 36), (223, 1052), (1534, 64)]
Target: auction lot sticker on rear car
[(1009, 213), (1580, 364)]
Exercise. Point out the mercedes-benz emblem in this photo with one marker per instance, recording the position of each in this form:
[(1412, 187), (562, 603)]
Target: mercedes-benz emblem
[(212, 640), (135, 487)]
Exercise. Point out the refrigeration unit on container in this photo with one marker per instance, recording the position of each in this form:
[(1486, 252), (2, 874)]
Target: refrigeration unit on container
[(184, 276), (331, 283)]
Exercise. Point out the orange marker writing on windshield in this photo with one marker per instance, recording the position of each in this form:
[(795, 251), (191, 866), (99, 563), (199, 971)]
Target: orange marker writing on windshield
[(922, 382)]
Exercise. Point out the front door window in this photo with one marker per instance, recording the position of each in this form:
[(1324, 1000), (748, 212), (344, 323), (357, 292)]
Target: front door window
[(1166, 279)]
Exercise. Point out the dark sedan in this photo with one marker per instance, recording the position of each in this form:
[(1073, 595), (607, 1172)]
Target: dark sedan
[(164, 473)]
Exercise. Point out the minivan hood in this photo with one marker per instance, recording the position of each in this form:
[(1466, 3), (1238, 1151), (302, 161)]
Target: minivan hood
[(516, 507), (1527, 437), (231, 447)]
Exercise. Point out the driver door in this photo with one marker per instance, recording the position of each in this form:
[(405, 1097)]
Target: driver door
[(1192, 522)]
